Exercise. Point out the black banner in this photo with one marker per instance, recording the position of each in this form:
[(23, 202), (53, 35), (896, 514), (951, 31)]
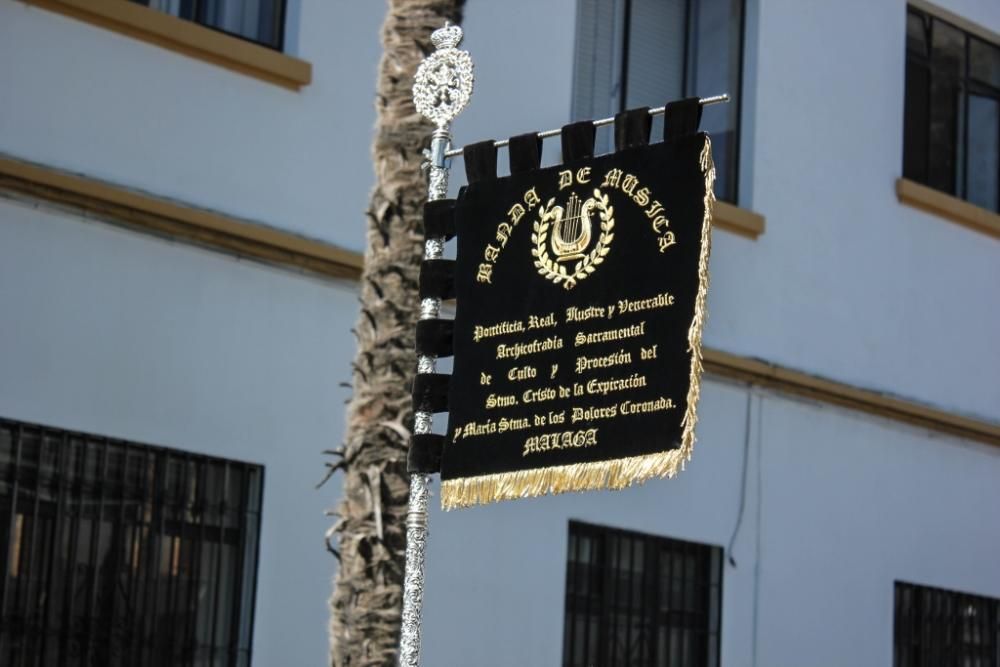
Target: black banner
[(580, 298)]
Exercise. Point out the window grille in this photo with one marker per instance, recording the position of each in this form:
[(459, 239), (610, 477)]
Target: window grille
[(951, 124), (115, 553), (936, 627), (260, 21), (640, 601)]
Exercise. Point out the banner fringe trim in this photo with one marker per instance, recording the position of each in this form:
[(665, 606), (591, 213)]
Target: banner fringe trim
[(613, 474), (700, 308), (616, 473)]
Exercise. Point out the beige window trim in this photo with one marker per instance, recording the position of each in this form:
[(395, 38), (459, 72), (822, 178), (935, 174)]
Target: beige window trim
[(948, 207), (186, 37), (147, 212), (163, 217), (956, 20), (737, 220), (797, 383), (151, 214)]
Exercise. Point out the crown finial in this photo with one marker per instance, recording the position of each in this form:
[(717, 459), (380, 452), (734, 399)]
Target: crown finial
[(442, 85), (448, 37)]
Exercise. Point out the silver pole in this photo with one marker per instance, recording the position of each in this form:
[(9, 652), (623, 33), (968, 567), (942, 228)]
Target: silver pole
[(441, 90), (655, 111)]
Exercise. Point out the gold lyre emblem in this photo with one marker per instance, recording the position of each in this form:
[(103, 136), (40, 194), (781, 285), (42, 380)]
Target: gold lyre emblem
[(571, 230), (568, 232)]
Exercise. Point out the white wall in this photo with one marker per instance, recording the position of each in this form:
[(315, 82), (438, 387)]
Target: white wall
[(88, 100), (847, 282), (851, 505), (110, 332), (125, 111), (496, 574), (839, 505)]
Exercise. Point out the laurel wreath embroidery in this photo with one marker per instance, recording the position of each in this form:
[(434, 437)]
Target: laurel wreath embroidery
[(558, 273)]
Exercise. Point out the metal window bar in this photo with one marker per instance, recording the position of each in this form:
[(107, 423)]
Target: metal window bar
[(102, 552), (933, 627), (640, 600)]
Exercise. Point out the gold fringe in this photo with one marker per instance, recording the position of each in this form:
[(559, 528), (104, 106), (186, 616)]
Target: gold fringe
[(616, 473), (700, 311), (613, 474)]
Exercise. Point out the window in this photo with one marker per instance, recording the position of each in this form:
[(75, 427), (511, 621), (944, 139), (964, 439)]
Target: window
[(951, 128), (116, 553), (938, 627), (260, 21), (633, 53), (640, 601)]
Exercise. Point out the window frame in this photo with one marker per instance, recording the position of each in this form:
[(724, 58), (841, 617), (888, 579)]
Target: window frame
[(968, 86), (652, 617), (687, 74), (113, 564), (188, 38), (687, 67), (199, 9), (925, 625)]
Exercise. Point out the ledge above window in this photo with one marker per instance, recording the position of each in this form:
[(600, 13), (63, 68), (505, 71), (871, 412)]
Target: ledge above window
[(948, 207), (189, 38), (737, 220)]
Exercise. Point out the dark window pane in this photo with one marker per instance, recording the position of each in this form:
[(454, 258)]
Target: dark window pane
[(948, 59), (655, 52), (632, 53), (984, 62), (122, 553), (939, 627), (253, 19), (984, 151), (948, 49), (714, 62), (631, 618), (916, 34), (260, 21), (943, 135), (951, 130), (597, 62)]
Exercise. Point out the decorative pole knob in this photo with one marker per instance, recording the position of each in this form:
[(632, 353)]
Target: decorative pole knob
[(442, 86)]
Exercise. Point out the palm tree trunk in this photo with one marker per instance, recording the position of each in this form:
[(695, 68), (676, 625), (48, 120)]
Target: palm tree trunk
[(367, 597)]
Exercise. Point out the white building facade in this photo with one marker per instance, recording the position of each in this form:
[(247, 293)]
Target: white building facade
[(181, 222)]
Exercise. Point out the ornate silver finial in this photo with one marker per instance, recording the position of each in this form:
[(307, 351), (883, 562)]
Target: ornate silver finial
[(442, 86), (447, 37)]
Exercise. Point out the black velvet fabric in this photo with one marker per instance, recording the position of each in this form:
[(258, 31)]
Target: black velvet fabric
[(437, 278), (578, 141), (681, 118), (435, 337), (425, 453), (633, 269), (480, 161), (632, 128), (524, 152), (439, 219), (430, 392)]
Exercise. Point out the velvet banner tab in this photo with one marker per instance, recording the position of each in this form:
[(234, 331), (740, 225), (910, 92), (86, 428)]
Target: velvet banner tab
[(580, 300)]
